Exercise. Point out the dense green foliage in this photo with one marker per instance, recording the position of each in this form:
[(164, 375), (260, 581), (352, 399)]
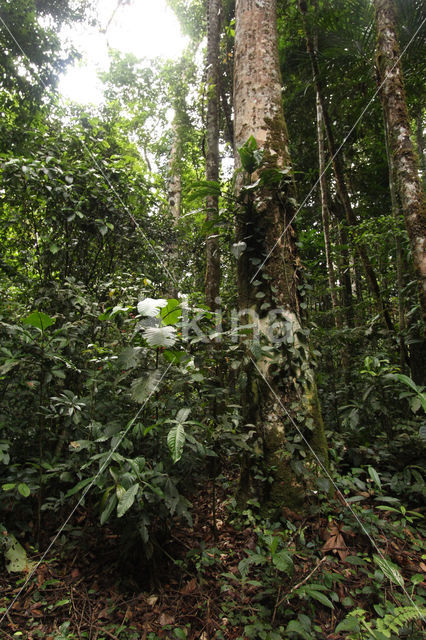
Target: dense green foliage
[(120, 393)]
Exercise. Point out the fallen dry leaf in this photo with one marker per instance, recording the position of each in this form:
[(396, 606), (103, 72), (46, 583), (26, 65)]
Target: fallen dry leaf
[(165, 619), (190, 587)]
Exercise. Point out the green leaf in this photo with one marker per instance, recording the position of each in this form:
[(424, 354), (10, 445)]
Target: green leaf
[(109, 508), (9, 486), (142, 388), (150, 307), (348, 624), (321, 597), (175, 357), (129, 358), (283, 561), (294, 626), (61, 603), (78, 486), (7, 366), (390, 570), (203, 189), (176, 441), (24, 489), (160, 336), (183, 415), (171, 313), (16, 557), (127, 500), (39, 320), (250, 155), (374, 476)]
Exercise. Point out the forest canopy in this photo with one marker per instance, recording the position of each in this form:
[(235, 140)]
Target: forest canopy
[(212, 326)]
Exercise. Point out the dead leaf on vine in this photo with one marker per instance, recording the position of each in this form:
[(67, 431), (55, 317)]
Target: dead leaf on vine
[(335, 542)]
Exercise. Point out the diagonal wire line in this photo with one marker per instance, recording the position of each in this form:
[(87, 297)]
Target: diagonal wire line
[(99, 168), (327, 473), (85, 492), (345, 139)]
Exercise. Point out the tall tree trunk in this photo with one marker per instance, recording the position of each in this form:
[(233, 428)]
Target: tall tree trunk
[(396, 212), (174, 199), (401, 146), (265, 231), (341, 186), (174, 195), (421, 145), (343, 264), (212, 279), (325, 213)]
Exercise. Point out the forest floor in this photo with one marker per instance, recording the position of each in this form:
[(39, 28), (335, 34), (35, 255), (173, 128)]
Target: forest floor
[(193, 589)]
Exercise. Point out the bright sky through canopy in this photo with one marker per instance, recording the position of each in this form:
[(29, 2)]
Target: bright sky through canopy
[(146, 28)]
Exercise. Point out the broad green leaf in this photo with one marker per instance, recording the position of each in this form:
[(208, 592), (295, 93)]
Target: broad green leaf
[(39, 320), (182, 415), (150, 307), (171, 313), (160, 336), (250, 155), (127, 500), (78, 486), (283, 561), (176, 441), (294, 626), (374, 476), (16, 557), (390, 570), (118, 309), (350, 623), (9, 486), (129, 358), (202, 189), (142, 388), (175, 357), (109, 508), (321, 597), (7, 366), (24, 489)]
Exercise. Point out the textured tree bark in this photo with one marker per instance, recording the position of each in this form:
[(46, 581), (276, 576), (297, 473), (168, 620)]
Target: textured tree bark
[(212, 279), (341, 186), (264, 226), (401, 147)]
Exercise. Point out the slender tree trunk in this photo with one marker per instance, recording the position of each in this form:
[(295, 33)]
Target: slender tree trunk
[(401, 146), (174, 198), (396, 212), (175, 177), (264, 226), (212, 279), (421, 144), (325, 213), (341, 187), (343, 265)]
